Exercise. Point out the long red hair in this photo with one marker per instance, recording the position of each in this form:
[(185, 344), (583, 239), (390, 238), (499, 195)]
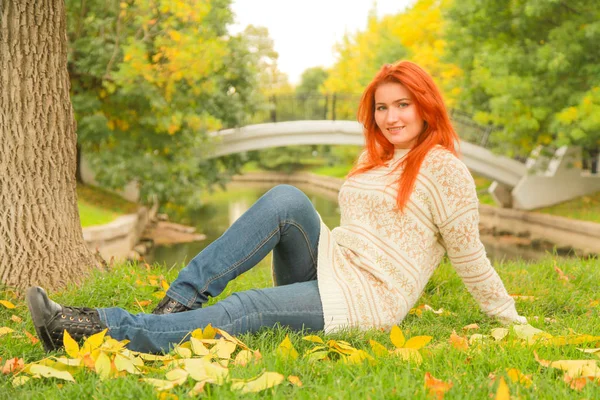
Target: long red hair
[(430, 106)]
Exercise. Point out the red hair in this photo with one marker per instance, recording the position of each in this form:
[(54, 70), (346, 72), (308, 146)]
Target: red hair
[(430, 107)]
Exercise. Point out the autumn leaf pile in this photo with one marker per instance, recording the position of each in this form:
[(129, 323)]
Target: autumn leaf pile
[(205, 358), (438, 357)]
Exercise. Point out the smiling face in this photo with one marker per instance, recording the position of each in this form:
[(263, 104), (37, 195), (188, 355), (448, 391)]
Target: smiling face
[(396, 115)]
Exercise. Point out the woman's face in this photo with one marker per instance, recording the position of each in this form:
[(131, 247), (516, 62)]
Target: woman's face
[(396, 115)]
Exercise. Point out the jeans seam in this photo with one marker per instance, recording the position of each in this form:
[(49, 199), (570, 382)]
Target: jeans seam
[(240, 262), (305, 235), (104, 318)]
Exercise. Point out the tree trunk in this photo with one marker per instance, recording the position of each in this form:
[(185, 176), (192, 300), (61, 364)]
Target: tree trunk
[(41, 241)]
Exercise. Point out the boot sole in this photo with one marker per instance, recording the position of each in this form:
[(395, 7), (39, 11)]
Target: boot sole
[(34, 300)]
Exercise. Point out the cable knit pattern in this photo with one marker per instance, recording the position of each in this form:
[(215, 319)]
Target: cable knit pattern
[(373, 268)]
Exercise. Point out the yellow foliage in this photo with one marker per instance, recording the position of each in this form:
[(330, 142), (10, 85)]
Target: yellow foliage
[(419, 29), (569, 115), (7, 304), (503, 392), (517, 376), (286, 349)]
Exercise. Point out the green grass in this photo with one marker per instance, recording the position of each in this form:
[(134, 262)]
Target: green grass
[(586, 208), (251, 166), (336, 171), (567, 302), (98, 206), (482, 184)]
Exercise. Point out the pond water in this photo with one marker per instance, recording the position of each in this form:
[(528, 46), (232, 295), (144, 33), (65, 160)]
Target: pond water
[(222, 208)]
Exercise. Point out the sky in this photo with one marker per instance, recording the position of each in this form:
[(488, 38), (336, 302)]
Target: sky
[(305, 31)]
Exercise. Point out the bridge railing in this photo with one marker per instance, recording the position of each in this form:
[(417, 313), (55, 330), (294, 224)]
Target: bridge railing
[(343, 106)]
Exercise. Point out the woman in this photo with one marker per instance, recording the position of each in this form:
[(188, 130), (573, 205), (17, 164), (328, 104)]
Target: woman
[(408, 200)]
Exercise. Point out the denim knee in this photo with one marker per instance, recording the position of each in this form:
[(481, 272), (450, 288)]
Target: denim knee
[(290, 198)]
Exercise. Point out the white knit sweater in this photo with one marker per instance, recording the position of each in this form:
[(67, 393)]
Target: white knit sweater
[(373, 268)]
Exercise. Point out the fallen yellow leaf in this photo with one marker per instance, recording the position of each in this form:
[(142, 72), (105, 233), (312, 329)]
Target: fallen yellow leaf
[(110, 345), (197, 389), (314, 339), (470, 327), (378, 349), (7, 304), (530, 333), (4, 330), (417, 342), (503, 392), (228, 337), (198, 347), (69, 361), (103, 366), (182, 351), (316, 355), (476, 337), (286, 349), (16, 319), (153, 357), (49, 372), (129, 365), (223, 349), (71, 346), (499, 333), (427, 307), (341, 347), (19, 380), (160, 384), (294, 380), (571, 339), (93, 342), (265, 381), (595, 352), (165, 395), (458, 342), (177, 376), (573, 368), (410, 355), (160, 294), (243, 357), (358, 357), (516, 376), (397, 337)]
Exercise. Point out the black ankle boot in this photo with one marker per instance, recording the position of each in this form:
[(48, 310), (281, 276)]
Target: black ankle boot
[(169, 306), (51, 319)]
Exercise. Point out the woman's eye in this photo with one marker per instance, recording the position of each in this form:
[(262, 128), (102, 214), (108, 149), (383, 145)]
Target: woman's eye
[(403, 105), (380, 108)]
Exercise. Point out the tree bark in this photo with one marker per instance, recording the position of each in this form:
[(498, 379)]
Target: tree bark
[(41, 241)]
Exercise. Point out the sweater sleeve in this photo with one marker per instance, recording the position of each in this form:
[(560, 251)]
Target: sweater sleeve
[(460, 233)]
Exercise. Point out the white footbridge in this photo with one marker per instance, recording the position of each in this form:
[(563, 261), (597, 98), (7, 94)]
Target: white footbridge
[(539, 182)]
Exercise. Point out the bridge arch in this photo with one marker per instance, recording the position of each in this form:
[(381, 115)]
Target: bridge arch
[(261, 136)]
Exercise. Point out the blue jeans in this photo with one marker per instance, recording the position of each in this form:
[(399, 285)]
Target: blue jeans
[(283, 220)]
